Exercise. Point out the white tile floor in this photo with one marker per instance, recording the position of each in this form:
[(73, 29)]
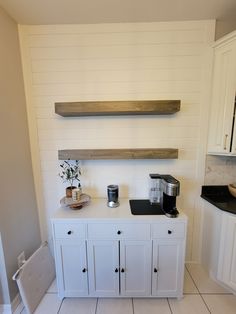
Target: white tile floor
[(201, 296)]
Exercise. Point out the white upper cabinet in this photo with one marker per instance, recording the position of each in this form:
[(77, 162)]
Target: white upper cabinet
[(222, 132)]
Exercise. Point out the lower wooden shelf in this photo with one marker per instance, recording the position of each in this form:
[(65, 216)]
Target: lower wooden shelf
[(120, 153), (111, 108)]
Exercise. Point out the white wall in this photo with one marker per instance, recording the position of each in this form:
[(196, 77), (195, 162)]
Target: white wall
[(119, 62)]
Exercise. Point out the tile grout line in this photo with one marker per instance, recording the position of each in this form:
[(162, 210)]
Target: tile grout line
[(191, 293), (60, 306), (168, 301), (205, 293), (213, 293), (96, 307), (205, 303), (192, 279), (198, 290)]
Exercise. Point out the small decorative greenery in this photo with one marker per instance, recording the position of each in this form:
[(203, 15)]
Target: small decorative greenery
[(70, 172)]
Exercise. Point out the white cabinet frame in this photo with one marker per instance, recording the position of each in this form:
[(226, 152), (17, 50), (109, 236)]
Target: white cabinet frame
[(222, 137), (112, 256)]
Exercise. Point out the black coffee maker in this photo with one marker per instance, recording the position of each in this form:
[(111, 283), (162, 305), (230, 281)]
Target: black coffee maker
[(163, 192)]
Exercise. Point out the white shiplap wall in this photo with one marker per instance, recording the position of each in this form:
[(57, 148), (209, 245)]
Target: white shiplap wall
[(119, 62)]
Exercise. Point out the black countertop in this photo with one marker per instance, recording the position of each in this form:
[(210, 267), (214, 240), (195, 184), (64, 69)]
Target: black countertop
[(219, 196)]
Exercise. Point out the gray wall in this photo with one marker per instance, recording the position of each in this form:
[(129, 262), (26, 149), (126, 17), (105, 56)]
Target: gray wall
[(4, 290), (19, 224)]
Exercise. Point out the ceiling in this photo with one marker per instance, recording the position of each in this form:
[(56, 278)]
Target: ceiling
[(116, 11)]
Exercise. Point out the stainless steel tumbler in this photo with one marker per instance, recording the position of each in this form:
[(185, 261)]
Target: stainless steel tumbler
[(112, 195)]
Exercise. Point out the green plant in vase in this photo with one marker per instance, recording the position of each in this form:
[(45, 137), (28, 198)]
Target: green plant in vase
[(70, 172)]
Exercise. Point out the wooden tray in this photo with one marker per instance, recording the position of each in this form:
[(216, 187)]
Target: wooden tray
[(68, 202)]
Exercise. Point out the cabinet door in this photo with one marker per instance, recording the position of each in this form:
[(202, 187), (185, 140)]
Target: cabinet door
[(71, 267), (103, 262), (223, 95), (227, 260), (168, 268), (233, 149), (135, 268)]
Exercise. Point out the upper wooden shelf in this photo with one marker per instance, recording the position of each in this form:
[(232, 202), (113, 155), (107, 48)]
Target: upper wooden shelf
[(120, 153), (110, 108)]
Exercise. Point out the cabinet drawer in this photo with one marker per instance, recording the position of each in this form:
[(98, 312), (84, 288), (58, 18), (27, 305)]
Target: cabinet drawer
[(171, 230), (119, 231), (69, 230)]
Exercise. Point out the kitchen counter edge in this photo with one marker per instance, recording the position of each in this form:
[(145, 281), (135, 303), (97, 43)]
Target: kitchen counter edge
[(219, 196), (98, 209)]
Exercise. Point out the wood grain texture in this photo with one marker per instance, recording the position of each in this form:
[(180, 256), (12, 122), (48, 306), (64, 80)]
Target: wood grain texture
[(108, 108), (121, 153)]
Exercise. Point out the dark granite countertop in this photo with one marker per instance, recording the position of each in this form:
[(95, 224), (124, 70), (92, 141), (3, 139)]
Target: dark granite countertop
[(219, 196)]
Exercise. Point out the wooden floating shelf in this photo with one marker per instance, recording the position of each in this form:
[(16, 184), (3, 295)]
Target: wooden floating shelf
[(124, 153), (110, 108)]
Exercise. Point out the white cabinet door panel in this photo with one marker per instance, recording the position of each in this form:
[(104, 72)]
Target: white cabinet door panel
[(71, 268), (223, 96), (168, 267), (103, 267), (233, 149), (135, 268)]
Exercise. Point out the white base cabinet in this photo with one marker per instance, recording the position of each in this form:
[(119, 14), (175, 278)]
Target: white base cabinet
[(219, 246), (119, 257), (227, 260)]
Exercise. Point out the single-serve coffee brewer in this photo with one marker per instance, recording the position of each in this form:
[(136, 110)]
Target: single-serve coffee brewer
[(163, 191)]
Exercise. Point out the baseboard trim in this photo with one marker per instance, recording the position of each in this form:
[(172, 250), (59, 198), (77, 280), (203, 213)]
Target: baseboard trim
[(192, 262), (10, 308)]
